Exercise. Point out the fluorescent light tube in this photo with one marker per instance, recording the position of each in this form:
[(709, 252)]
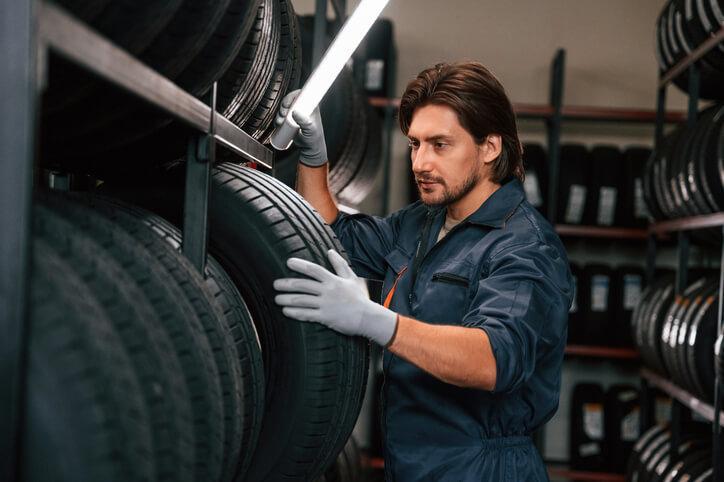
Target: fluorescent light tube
[(352, 33)]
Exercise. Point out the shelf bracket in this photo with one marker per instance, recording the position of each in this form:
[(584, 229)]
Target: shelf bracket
[(200, 157)]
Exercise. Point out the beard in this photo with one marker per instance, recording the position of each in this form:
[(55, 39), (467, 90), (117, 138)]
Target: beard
[(450, 196)]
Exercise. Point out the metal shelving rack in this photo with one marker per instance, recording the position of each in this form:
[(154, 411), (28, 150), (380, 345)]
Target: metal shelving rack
[(29, 31), (682, 227)]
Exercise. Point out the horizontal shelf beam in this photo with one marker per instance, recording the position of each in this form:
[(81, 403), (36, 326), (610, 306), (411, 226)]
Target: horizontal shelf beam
[(618, 114), (75, 41), (695, 55), (580, 113), (600, 232), (558, 473), (687, 224), (698, 406), (602, 352)]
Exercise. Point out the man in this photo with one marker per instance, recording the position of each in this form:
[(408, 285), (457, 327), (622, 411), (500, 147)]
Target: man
[(476, 286)]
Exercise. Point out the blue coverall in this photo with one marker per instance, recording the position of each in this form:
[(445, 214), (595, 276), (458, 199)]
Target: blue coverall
[(502, 270)]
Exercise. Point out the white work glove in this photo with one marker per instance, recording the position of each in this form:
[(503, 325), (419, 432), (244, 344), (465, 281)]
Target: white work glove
[(341, 301), (310, 138)]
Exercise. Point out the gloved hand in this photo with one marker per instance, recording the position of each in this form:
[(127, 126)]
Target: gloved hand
[(310, 139), (340, 301)]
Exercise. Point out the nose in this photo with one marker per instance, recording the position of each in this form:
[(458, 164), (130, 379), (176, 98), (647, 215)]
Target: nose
[(421, 160)]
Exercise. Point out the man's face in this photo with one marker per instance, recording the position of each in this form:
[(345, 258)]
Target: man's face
[(445, 158)]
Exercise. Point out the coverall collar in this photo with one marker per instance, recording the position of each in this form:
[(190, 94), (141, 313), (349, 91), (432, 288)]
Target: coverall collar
[(498, 207)]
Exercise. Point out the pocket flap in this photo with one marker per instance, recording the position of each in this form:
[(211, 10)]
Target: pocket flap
[(397, 260)]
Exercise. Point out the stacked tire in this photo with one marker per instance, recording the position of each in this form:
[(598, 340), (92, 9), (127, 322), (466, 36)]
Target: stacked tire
[(676, 334), (685, 177), (602, 186), (684, 25), (352, 129), (652, 458), (251, 48), (604, 301), (216, 381), (603, 426), (535, 183)]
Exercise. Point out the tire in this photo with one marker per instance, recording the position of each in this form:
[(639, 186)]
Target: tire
[(222, 47), (364, 178), (133, 136), (85, 419), (147, 344), (241, 88), (286, 67), (178, 318), (243, 428), (89, 127), (130, 24), (207, 311), (315, 377)]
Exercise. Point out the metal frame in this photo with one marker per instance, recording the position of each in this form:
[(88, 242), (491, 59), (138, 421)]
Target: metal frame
[(17, 108), (28, 29), (554, 131)]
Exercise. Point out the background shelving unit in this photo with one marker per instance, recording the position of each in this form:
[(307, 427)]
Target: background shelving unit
[(682, 227), (682, 396), (30, 31), (604, 352), (562, 473)]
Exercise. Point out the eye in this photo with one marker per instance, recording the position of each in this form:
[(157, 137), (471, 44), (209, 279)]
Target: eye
[(413, 145), (440, 145)]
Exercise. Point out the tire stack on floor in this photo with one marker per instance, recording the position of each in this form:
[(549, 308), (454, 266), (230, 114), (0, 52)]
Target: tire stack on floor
[(651, 458), (675, 334), (352, 129), (140, 367), (603, 426)]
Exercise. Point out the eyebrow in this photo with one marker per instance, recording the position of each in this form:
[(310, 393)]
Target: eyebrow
[(439, 137)]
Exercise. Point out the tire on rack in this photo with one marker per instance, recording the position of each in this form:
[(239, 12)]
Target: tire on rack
[(85, 417), (130, 24), (85, 128), (178, 318), (287, 67), (132, 135), (204, 305), (315, 377), (154, 360), (240, 330)]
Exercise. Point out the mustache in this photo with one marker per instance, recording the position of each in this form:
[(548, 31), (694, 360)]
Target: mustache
[(419, 179)]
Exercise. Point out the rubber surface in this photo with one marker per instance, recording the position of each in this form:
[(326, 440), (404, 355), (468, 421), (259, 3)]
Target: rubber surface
[(315, 377), (86, 419), (178, 317)]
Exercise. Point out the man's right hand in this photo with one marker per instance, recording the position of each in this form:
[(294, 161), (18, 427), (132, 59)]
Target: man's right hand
[(310, 139)]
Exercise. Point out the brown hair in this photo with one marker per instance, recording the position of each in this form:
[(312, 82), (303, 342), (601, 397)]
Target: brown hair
[(480, 102)]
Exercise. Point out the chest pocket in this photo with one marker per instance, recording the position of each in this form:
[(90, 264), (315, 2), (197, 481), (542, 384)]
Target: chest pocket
[(446, 296)]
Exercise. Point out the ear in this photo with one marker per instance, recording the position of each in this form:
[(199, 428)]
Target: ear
[(490, 148)]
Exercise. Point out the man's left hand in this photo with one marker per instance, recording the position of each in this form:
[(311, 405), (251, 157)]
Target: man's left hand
[(339, 301)]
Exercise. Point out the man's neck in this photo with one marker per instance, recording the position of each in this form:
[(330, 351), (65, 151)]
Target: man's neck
[(472, 201)]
